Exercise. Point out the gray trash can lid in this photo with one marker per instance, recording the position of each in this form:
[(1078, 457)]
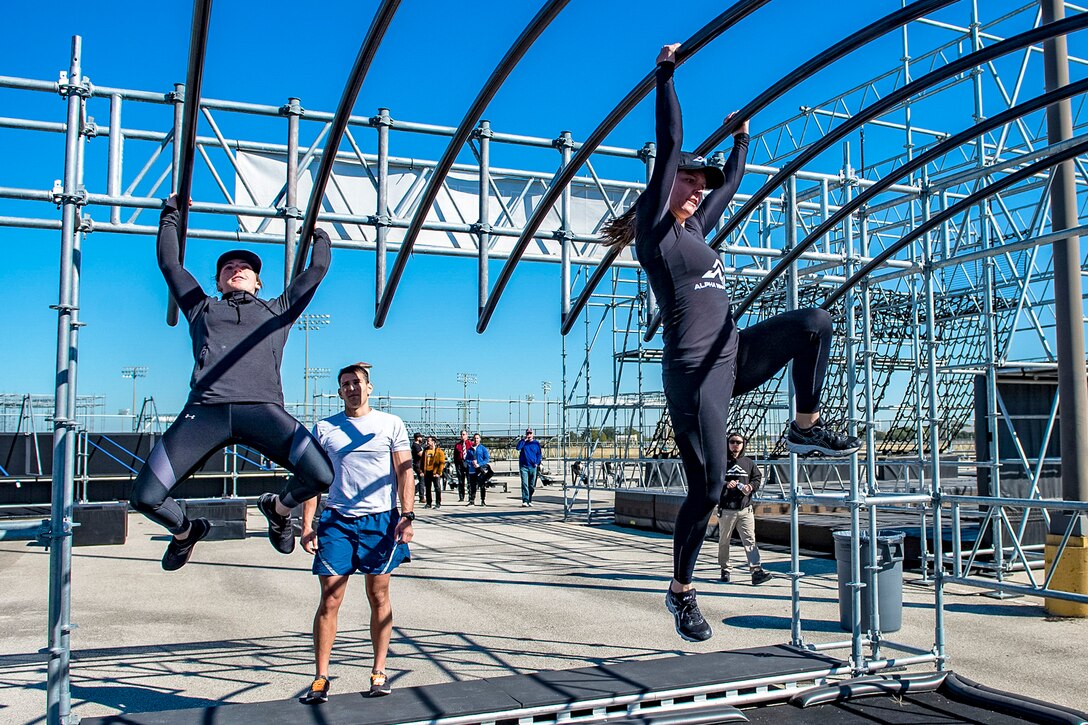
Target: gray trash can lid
[(884, 536)]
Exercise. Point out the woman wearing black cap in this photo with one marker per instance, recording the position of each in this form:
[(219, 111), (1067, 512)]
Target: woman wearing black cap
[(236, 395), (706, 359)]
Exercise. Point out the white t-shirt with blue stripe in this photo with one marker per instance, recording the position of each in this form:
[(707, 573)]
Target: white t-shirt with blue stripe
[(361, 450)]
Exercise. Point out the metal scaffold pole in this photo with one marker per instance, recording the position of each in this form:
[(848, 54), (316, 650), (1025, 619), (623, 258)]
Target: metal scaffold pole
[(933, 405), (58, 685), (291, 214), (789, 205)]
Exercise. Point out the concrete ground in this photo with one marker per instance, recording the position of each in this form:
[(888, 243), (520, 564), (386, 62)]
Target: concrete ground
[(491, 591)]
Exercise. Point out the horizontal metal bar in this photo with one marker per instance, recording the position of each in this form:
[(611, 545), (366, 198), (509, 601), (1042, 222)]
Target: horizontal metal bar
[(894, 498), (993, 584), (1046, 503), (17, 526)]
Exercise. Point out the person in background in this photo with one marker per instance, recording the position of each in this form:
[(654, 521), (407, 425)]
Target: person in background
[(417, 463), (459, 463), (742, 480), (478, 463), (529, 456), (434, 466)]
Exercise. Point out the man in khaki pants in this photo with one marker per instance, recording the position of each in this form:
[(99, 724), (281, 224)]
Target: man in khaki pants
[(742, 479)]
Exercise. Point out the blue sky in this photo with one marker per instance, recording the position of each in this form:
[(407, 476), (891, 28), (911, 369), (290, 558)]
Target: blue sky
[(431, 65)]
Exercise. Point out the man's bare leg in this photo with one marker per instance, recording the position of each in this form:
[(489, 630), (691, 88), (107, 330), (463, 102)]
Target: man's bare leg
[(332, 596), (381, 617)]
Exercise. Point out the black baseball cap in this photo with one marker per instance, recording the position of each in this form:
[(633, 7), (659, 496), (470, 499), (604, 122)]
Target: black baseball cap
[(243, 254), (713, 175)]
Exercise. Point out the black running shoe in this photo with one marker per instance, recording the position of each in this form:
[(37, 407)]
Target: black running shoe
[(690, 624), (759, 576), (817, 439), (280, 531), (319, 692), (178, 552), (725, 575)]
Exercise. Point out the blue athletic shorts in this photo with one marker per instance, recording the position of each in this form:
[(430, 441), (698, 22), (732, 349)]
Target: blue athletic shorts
[(364, 544)]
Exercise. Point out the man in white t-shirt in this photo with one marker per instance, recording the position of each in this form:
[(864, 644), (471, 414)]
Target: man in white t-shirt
[(361, 528)]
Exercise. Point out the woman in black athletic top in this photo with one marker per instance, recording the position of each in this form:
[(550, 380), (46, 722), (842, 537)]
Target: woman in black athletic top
[(236, 393), (705, 358)]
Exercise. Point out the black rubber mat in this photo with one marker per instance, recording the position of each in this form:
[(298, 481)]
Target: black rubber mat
[(503, 693), (927, 708)]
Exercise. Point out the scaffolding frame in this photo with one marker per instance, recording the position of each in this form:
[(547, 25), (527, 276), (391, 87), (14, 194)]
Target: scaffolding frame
[(931, 291), (970, 296)]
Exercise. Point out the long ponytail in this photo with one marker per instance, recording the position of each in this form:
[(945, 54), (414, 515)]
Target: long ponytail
[(620, 231)]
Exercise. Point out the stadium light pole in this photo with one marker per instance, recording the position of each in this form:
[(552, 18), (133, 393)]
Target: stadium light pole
[(465, 379), (134, 372), (307, 322), (546, 385), (316, 374)]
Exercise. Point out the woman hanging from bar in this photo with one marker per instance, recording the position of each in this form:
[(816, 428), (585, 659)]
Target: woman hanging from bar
[(236, 395), (706, 360)]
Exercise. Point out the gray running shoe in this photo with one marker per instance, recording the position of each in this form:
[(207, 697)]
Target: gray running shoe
[(280, 531), (379, 685), (318, 693), (817, 439), (178, 552), (690, 624)]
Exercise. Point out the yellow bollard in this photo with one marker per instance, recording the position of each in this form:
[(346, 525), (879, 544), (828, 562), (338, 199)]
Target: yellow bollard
[(1071, 576)]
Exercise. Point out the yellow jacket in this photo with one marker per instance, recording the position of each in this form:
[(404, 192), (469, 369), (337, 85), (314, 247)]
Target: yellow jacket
[(434, 461)]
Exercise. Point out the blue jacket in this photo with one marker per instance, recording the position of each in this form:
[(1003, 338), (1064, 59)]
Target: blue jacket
[(476, 456), (529, 453)]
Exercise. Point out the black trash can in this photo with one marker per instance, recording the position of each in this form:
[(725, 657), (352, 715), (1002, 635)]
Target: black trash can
[(889, 578)]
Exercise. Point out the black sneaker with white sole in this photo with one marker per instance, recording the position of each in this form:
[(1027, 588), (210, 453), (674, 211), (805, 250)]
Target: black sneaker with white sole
[(178, 552), (817, 439), (690, 624), (280, 531), (760, 576)]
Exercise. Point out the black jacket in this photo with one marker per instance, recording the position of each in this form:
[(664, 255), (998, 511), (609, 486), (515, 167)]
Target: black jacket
[(238, 339), (743, 470)]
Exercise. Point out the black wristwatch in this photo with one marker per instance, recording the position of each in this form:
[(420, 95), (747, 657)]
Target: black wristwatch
[(411, 516)]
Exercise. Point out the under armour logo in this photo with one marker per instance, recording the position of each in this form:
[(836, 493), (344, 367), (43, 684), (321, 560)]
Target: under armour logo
[(190, 417)]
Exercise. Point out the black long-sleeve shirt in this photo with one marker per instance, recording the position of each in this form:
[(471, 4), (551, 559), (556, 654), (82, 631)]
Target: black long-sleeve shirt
[(685, 273), (238, 339)]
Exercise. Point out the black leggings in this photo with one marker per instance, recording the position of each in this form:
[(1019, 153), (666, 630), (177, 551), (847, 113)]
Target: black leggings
[(201, 430), (698, 403)]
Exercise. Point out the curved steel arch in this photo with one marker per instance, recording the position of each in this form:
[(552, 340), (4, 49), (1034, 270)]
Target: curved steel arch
[(194, 78), (841, 49), (367, 50), (692, 45), (532, 31), (936, 152), (1043, 32), (958, 208)]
